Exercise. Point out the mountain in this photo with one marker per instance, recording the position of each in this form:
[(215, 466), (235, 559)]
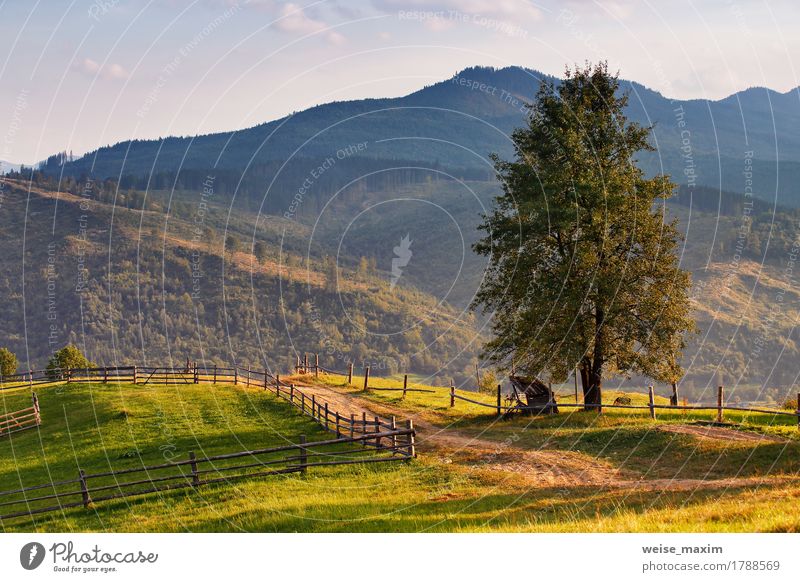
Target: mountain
[(454, 125), (182, 280)]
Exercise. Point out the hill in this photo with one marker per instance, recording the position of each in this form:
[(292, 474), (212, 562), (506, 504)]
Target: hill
[(181, 281), (456, 124), (573, 472)]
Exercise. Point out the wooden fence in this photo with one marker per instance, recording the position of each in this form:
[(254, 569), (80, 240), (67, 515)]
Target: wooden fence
[(21, 419), (89, 488), (651, 407), (303, 366)]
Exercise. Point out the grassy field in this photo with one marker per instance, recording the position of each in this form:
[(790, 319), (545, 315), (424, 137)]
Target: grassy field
[(746, 485)]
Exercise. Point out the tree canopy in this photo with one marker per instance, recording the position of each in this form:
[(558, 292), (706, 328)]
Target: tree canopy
[(583, 267)]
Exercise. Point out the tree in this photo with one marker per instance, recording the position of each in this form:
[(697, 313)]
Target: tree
[(331, 274), (583, 269), (260, 250), (8, 362), (231, 244), (66, 358)]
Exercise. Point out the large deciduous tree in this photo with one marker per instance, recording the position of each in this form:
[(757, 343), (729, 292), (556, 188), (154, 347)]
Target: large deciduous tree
[(583, 267)]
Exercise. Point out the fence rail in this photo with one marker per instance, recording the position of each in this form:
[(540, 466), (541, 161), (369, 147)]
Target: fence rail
[(91, 488), (21, 419)]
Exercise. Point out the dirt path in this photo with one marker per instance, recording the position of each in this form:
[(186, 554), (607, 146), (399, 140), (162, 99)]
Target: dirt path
[(539, 468)]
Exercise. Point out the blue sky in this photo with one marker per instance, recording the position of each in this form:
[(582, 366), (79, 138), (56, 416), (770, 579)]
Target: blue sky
[(82, 74)]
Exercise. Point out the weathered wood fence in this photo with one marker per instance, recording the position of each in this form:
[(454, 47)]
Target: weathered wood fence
[(21, 419), (651, 407), (90, 488)]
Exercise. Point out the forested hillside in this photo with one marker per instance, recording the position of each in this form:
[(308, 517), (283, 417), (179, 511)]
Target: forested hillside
[(152, 286)]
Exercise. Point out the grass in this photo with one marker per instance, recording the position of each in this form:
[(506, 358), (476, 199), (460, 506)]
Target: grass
[(98, 427)]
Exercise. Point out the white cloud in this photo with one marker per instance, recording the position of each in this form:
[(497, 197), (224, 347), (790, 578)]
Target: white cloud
[(293, 19), (507, 8), (110, 72)]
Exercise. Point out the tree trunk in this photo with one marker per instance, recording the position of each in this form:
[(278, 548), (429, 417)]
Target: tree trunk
[(585, 368), (593, 397)]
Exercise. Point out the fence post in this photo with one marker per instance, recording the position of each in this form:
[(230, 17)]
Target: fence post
[(352, 425), (193, 463), (84, 489), (366, 378), (412, 450), (266, 380), (38, 416), (134, 374), (248, 376), (235, 375), (303, 454), (674, 398), (316, 365), (452, 396), (394, 436), (499, 388), (291, 392), (326, 416), (302, 401), (215, 373), (720, 401), (350, 373), (196, 374), (377, 430), (405, 384), (69, 375), (313, 406), (305, 363), (652, 402), (338, 431), (30, 378), (364, 428)]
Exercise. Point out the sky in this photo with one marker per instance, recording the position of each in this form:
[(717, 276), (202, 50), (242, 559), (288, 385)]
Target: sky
[(77, 75)]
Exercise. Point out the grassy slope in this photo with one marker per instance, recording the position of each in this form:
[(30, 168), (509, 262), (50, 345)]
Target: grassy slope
[(105, 426)]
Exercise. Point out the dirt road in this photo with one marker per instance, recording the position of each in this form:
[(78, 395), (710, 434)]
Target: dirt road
[(531, 468)]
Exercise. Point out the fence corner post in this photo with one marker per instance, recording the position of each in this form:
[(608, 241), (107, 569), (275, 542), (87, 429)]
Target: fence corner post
[(36, 412), (366, 378), (720, 402), (405, 384), (412, 450), (452, 396), (651, 402)]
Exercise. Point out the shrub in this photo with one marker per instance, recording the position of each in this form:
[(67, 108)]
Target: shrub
[(790, 404), (67, 357), (489, 382), (8, 362)]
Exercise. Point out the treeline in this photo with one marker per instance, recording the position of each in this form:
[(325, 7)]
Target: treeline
[(300, 186)]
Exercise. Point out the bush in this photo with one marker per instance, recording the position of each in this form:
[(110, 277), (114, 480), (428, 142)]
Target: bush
[(67, 357), (489, 382), (8, 362), (790, 404)]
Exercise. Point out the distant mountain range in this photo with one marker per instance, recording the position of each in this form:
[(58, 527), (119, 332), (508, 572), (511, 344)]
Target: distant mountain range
[(459, 122)]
